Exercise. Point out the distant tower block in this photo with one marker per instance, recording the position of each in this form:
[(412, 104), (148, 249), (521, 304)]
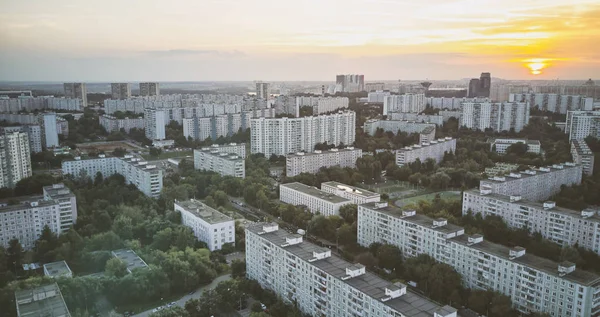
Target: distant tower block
[(426, 85)]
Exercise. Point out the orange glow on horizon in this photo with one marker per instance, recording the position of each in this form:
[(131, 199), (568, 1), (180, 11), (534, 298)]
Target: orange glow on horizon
[(536, 65)]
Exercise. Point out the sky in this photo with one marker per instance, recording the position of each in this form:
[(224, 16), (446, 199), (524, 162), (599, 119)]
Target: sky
[(198, 40)]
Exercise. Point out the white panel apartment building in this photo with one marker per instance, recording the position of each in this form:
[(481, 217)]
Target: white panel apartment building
[(560, 225), (411, 116), (146, 177), (451, 103), (111, 123), (583, 155), (76, 91), (312, 162), (155, 122), (434, 150), (378, 96), (34, 134), (533, 283), (371, 126), (200, 128), (322, 104), (533, 146), (496, 116), (554, 102), (209, 226), (25, 221), (356, 194), (120, 90), (404, 103), (282, 136), (581, 124), (149, 89), (15, 158), (535, 185), (322, 284), (223, 163), (315, 200)]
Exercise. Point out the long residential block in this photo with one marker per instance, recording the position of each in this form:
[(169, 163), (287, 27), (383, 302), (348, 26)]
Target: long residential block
[(500, 145), (496, 116), (111, 123), (581, 124), (560, 225), (322, 284), (432, 150), (223, 163), (355, 194), (209, 225), (371, 126), (536, 185), (146, 177), (534, 284), (311, 162), (582, 154), (317, 201)]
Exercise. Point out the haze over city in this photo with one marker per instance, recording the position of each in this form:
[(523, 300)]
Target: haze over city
[(297, 40)]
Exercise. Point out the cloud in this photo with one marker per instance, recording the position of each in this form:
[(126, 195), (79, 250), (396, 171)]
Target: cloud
[(190, 52)]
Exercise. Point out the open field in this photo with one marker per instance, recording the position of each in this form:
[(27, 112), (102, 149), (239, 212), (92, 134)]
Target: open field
[(449, 195)]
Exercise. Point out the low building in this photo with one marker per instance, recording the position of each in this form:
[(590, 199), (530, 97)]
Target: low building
[(225, 164), (130, 258), (315, 200), (411, 116), (57, 269), (355, 194), (163, 143), (301, 162), (583, 155), (209, 226), (40, 301), (500, 145), (433, 150)]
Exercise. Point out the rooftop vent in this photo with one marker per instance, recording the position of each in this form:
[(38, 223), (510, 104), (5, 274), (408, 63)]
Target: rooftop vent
[(58, 185), (516, 252), (350, 148), (381, 205), (474, 239), (101, 156), (34, 204), (77, 158), (565, 268), (570, 164), (270, 227), (514, 175), (558, 166), (320, 254), (485, 190), (292, 240), (334, 150), (529, 172), (587, 213), (408, 213), (515, 198), (439, 222), (354, 271), (394, 291), (498, 179), (544, 169), (549, 205)]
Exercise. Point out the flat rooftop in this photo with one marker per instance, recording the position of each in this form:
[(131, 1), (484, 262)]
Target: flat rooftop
[(58, 191), (425, 145), (59, 268), (41, 301), (417, 219), (582, 148), (428, 129), (537, 173), (322, 152), (203, 211), (132, 260), (410, 304), (27, 203), (513, 141), (315, 192), (532, 261), (222, 155), (352, 189)]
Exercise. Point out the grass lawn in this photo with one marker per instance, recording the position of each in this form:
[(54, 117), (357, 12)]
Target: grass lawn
[(167, 155), (448, 195)]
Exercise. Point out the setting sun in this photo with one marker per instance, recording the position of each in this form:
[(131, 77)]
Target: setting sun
[(536, 65)]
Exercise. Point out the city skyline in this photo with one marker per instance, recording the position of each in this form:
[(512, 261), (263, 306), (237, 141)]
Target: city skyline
[(311, 40)]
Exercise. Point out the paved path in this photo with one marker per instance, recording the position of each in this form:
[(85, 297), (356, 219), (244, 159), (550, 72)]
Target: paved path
[(197, 294)]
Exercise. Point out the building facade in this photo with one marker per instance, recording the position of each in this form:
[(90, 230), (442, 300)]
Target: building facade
[(315, 200), (349, 83), (356, 194), (535, 185), (209, 226), (452, 103), (500, 145), (76, 91), (320, 105), (411, 103), (583, 155), (120, 91), (262, 90), (201, 128), (15, 158), (149, 89), (371, 126), (534, 284), (496, 116), (223, 163), (411, 116), (146, 177), (34, 134), (155, 123), (581, 124), (282, 136), (322, 284), (555, 102), (50, 130), (311, 162), (112, 124), (431, 150)]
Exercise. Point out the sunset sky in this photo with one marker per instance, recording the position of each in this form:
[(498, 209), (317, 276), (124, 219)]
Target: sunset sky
[(180, 40)]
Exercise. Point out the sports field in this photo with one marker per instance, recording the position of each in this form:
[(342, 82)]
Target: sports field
[(448, 195)]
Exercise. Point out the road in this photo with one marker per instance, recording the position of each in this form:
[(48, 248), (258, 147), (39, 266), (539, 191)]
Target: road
[(181, 302)]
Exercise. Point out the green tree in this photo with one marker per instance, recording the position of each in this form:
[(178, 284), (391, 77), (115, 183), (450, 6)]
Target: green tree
[(174, 311), (238, 268), (256, 307), (119, 152), (389, 257), (14, 256), (115, 267), (155, 152), (123, 227), (349, 213)]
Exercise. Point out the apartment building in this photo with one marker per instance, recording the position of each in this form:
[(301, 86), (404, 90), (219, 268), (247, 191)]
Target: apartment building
[(412, 116), (536, 185), (34, 134), (46, 300), (200, 128), (371, 126), (534, 284), (76, 91), (25, 221), (146, 177), (113, 124), (581, 124), (223, 163), (120, 91), (50, 132), (583, 155), (427, 135), (31, 104), (558, 103), (155, 123), (321, 105), (496, 116), (187, 105), (378, 96), (282, 136), (452, 103), (374, 86), (322, 284), (149, 89), (209, 226), (500, 145), (15, 158), (414, 103), (238, 149), (434, 150), (349, 83), (560, 225), (315, 200), (262, 90), (500, 169), (356, 194), (312, 162)]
